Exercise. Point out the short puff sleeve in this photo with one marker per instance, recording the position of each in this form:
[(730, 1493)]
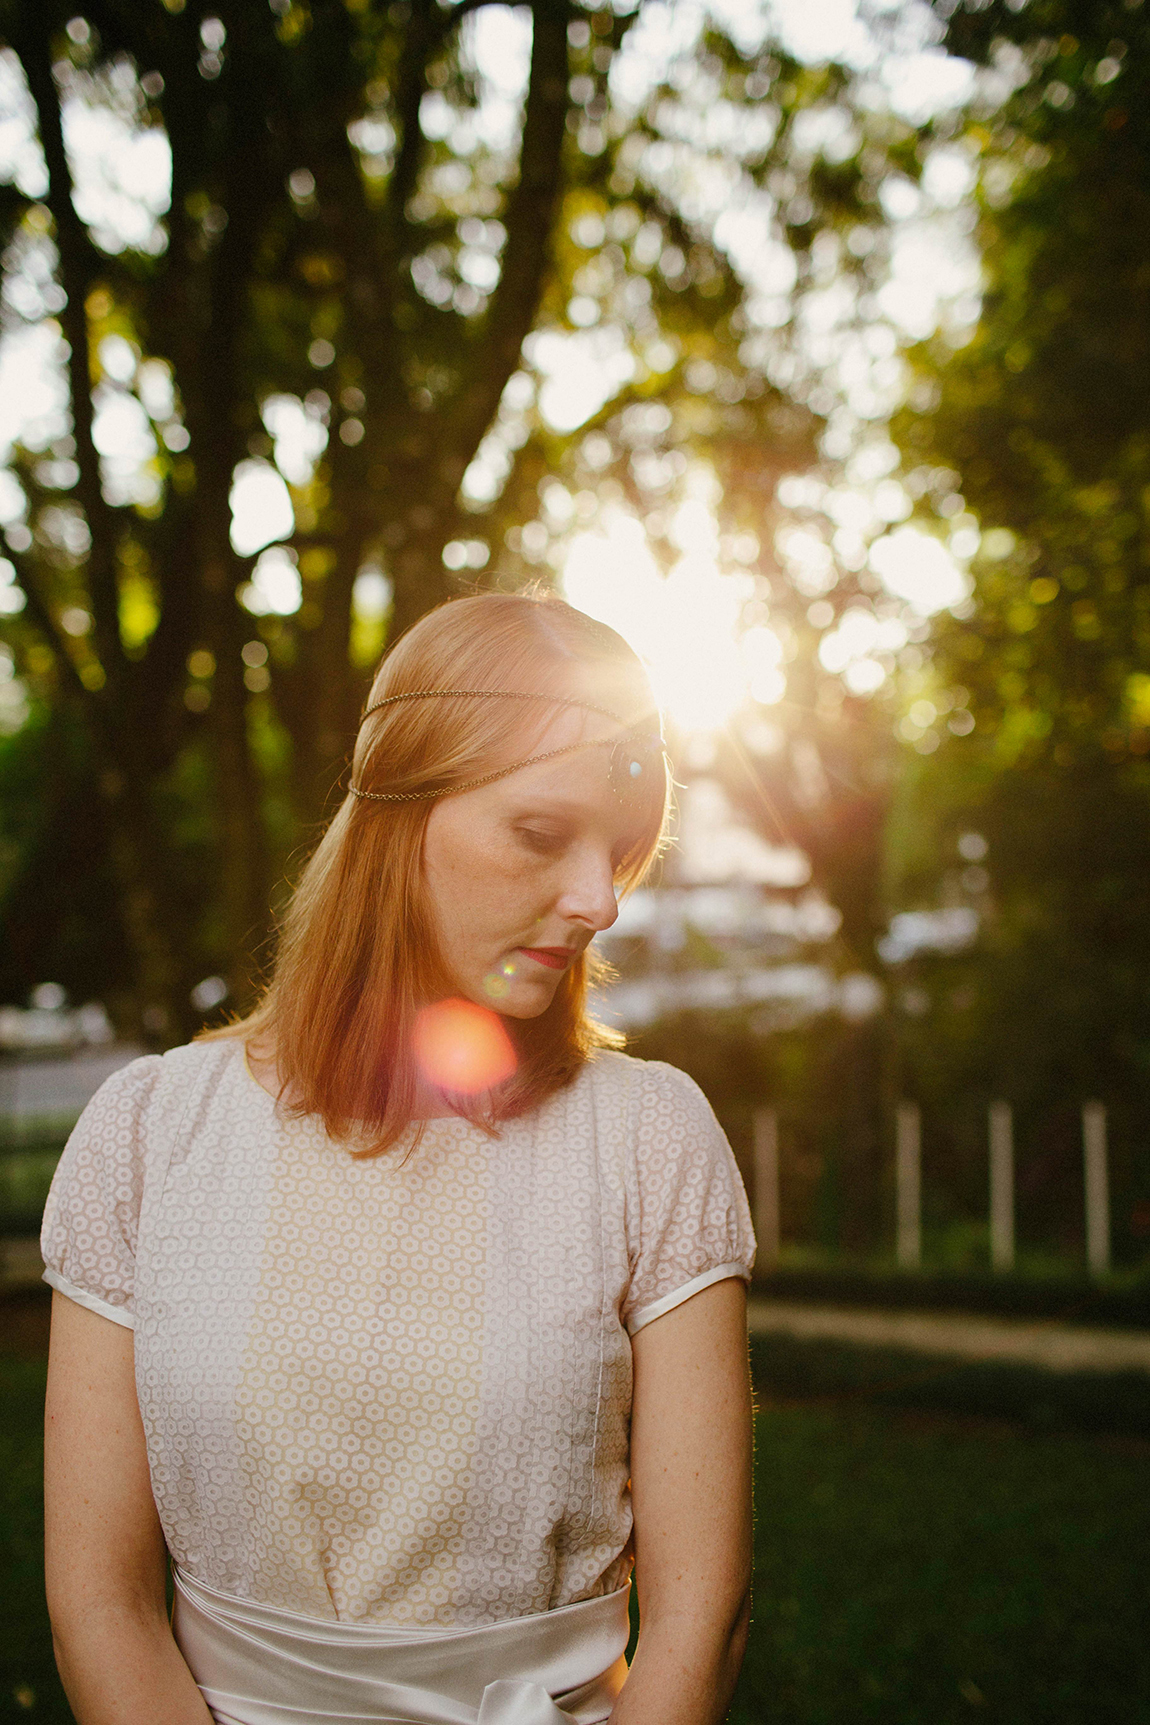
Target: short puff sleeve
[(91, 1219), (688, 1224)]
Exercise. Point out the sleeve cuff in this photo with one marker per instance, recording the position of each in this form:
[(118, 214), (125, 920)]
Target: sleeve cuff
[(118, 1314), (648, 1314)]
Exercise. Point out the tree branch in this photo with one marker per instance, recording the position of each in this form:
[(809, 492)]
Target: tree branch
[(79, 264), (39, 614), (528, 219), (13, 204), (411, 87)]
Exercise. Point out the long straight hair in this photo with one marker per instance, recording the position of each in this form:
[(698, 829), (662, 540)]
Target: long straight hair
[(358, 955)]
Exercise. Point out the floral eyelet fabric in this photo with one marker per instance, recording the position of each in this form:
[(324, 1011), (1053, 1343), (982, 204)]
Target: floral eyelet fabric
[(393, 1390)]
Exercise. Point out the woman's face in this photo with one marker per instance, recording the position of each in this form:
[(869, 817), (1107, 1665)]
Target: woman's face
[(521, 873)]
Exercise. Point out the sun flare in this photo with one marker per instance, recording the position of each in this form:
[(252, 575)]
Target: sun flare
[(685, 625)]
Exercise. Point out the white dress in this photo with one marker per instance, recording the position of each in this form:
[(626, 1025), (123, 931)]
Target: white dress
[(392, 1390)]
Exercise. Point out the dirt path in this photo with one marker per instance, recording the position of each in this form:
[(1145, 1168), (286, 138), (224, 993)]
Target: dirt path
[(1019, 1341)]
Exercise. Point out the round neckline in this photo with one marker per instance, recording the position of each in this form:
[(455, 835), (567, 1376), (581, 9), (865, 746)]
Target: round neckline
[(431, 1120)]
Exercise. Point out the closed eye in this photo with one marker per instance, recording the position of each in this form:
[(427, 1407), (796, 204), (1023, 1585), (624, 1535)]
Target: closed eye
[(542, 840)]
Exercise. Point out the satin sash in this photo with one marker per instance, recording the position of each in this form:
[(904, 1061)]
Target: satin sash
[(256, 1665)]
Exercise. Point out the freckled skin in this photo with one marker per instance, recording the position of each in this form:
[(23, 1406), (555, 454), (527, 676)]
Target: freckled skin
[(529, 861)]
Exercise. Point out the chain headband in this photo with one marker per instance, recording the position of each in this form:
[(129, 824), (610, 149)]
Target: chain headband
[(488, 695), (623, 769)]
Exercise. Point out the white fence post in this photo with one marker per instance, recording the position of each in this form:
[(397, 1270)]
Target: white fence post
[(1001, 1186), (1097, 1187), (766, 1153), (908, 1185)]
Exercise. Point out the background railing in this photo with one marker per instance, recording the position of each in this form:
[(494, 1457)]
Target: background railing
[(924, 1196)]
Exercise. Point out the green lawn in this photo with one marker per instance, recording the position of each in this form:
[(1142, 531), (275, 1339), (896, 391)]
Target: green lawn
[(29, 1687), (913, 1568)]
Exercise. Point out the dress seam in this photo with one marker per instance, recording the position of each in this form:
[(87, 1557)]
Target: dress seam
[(589, 1523)]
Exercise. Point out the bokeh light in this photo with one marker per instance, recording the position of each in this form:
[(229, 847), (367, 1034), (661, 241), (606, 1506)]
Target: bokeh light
[(917, 567), (275, 588), (462, 1048), (261, 507)]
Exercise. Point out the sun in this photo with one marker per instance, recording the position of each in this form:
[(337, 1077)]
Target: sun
[(686, 625)]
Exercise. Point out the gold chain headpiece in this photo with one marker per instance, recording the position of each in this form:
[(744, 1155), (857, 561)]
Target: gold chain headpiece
[(623, 770)]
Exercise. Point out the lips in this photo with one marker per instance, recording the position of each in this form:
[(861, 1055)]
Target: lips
[(554, 957)]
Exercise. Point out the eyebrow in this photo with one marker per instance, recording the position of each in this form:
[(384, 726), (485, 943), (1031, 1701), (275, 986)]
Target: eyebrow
[(554, 798)]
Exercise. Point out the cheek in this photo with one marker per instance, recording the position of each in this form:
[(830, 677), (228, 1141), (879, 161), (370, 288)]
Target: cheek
[(477, 877)]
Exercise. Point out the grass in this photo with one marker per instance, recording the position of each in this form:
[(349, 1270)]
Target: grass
[(1107, 1403), (913, 1567), (29, 1687), (1038, 1287), (26, 1169)]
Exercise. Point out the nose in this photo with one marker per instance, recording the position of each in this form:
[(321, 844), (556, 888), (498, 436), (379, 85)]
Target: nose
[(588, 894)]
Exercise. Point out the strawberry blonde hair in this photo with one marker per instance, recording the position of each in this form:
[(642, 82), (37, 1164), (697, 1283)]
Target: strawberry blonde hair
[(357, 954)]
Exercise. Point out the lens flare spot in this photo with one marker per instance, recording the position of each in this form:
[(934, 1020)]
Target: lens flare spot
[(495, 986), (462, 1048), (508, 967)]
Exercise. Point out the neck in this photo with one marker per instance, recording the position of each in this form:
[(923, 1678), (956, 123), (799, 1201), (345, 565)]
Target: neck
[(428, 1102)]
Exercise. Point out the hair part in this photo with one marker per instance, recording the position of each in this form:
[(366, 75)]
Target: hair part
[(358, 955)]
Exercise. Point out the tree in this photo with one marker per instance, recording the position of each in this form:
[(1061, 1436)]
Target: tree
[(337, 239), (246, 102), (1043, 416), (1041, 425)]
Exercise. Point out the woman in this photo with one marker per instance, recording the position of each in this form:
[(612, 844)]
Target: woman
[(405, 1313)]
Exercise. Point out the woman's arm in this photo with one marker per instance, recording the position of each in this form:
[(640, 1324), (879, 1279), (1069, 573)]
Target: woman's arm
[(104, 1551), (691, 1485)]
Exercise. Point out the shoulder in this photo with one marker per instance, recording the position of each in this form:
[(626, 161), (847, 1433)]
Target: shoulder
[(193, 1065), (113, 1124), (666, 1086), (652, 1115), (159, 1081), (652, 1086), (130, 1085), (92, 1216), (686, 1215), (192, 1060), (144, 1101)]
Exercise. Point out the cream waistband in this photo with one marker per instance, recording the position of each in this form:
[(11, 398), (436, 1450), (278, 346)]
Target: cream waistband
[(256, 1665)]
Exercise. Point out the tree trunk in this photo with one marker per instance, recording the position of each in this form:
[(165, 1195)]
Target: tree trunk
[(139, 865)]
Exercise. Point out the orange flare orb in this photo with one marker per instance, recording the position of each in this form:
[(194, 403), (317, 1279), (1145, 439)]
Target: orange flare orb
[(462, 1048)]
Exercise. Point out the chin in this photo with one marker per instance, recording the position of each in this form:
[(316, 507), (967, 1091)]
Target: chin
[(530, 1008), (523, 1000)]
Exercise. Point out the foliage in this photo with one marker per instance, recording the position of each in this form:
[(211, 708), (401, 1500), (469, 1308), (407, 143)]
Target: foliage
[(1122, 1301), (825, 1081), (1040, 425), (345, 237), (29, 1686), (923, 1569)]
